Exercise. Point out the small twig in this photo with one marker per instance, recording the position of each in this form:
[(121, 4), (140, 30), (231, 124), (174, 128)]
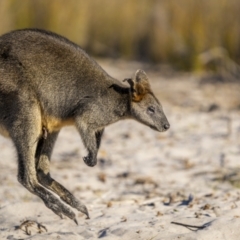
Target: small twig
[(190, 226), (29, 223)]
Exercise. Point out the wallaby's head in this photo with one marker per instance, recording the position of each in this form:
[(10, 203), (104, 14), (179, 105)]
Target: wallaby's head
[(145, 107)]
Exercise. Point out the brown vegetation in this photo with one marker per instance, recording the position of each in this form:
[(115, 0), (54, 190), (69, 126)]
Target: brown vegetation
[(161, 31)]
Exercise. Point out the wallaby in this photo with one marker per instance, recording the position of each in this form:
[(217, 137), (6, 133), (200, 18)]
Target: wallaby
[(47, 82)]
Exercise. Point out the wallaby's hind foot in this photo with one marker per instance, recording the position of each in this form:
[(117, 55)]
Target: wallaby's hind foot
[(43, 155), (65, 195), (54, 204)]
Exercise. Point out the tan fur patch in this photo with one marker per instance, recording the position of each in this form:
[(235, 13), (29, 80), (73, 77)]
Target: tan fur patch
[(140, 91), (57, 188), (43, 164), (53, 124), (137, 98), (4, 132)]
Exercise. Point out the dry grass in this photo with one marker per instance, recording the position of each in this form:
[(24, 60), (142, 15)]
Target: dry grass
[(161, 31)]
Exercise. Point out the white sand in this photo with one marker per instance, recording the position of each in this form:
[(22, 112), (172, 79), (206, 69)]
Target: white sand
[(144, 180)]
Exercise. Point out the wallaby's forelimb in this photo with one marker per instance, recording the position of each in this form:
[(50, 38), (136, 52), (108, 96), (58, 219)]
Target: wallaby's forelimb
[(92, 141), (98, 135), (43, 156), (91, 158)]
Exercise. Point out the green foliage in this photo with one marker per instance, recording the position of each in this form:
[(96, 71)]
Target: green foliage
[(161, 31)]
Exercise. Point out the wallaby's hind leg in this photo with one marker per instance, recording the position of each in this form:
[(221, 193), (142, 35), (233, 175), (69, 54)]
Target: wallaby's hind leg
[(25, 131), (43, 155)]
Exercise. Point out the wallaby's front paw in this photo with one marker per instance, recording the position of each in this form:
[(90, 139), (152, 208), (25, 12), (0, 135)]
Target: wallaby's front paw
[(90, 161)]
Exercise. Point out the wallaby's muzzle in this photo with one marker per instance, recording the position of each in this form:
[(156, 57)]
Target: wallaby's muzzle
[(162, 126)]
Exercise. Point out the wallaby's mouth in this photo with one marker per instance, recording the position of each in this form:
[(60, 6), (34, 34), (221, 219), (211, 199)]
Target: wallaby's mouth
[(154, 128), (163, 128)]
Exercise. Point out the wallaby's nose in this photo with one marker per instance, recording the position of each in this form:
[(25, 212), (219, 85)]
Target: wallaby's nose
[(166, 126)]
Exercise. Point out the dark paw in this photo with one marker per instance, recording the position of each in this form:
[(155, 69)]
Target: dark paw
[(90, 161)]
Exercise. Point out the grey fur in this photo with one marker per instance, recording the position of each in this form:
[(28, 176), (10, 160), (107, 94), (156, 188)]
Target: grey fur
[(47, 82)]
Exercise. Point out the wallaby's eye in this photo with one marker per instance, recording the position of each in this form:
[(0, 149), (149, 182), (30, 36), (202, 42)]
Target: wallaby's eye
[(151, 110)]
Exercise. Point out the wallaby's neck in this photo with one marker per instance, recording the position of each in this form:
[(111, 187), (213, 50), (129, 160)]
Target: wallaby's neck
[(120, 100)]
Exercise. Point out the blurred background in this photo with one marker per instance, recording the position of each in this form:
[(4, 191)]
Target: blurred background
[(188, 35), (190, 50)]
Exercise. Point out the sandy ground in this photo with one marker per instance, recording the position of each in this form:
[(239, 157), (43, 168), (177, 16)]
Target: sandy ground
[(182, 184)]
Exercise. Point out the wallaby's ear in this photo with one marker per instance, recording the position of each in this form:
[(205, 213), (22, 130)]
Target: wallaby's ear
[(139, 85)]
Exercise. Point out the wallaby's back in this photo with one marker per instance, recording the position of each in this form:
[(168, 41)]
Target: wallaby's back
[(48, 64)]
